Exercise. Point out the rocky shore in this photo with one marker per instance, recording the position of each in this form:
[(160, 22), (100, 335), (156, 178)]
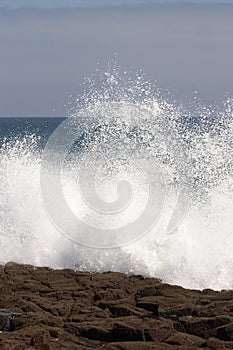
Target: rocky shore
[(47, 309)]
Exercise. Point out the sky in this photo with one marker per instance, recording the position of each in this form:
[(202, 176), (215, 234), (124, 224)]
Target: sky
[(93, 3), (46, 51)]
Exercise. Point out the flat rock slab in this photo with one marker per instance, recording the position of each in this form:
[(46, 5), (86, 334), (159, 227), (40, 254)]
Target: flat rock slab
[(45, 309)]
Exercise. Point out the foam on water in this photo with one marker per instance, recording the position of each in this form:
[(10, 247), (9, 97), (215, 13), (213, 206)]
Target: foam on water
[(193, 148)]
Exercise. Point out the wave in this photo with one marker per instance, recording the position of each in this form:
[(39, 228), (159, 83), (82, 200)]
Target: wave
[(130, 146)]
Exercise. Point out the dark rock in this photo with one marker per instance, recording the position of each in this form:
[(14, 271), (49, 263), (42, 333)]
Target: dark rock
[(138, 346), (50, 309), (186, 339), (149, 306), (213, 343), (123, 332), (223, 333), (201, 326), (123, 308), (6, 318), (146, 292)]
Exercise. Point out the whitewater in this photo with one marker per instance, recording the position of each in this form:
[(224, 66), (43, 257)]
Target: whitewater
[(132, 143)]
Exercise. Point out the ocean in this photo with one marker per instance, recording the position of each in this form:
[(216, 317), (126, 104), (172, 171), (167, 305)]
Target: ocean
[(129, 182)]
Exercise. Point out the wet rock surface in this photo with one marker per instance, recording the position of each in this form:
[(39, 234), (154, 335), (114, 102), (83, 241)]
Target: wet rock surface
[(47, 309)]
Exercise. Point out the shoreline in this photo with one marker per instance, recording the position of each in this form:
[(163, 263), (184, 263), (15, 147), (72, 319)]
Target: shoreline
[(43, 308)]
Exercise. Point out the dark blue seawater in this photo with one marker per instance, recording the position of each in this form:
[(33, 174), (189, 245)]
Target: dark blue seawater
[(17, 128)]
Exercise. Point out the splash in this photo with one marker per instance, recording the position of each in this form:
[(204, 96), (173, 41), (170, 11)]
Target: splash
[(125, 121)]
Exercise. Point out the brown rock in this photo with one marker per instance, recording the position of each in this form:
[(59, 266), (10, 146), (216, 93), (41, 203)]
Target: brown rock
[(64, 309), (149, 306), (137, 346), (201, 326), (213, 343), (223, 333), (186, 339)]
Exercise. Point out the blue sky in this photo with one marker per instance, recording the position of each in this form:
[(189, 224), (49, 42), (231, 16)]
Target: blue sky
[(44, 55)]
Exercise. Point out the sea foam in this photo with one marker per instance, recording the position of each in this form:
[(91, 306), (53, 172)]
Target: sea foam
[(193, 150)]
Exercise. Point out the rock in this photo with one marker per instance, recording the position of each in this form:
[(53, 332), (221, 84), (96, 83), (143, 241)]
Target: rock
[(158, 330), (122, 331), (149, 306), (137, 346), (146, 292), (223, 333), (213, 343), (6, 318), (48, 309), (123, 308), (201, 326), (186, 339)]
